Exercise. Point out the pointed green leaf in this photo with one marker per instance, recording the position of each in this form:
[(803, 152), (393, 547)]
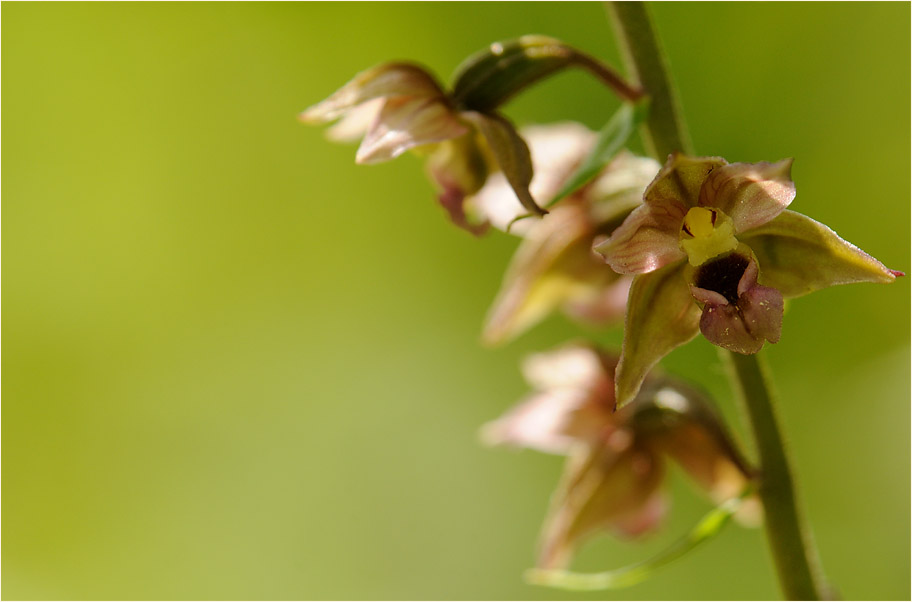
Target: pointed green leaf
[(798, 255), (511, 153), (709, 526), (611, 139), (661, 315)]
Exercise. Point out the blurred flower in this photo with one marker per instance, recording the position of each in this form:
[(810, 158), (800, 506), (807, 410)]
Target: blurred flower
[(614, 473), (554, 266), (715, 251)]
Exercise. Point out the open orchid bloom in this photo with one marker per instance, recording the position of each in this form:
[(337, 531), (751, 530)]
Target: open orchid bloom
[(616, 464), (554, 266), (715, 250)]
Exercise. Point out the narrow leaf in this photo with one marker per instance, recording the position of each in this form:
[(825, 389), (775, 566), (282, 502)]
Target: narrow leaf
[(611, 140), (709, 526)]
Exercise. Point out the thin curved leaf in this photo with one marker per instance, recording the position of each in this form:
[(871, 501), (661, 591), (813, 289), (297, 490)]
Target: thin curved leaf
[(611, 139)]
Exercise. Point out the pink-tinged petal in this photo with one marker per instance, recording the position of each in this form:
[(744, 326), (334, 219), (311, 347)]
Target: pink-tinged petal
[(661, 315), (407, 122), (750, 193), (762, 308), (745, 326), (647, 240), (602, 489), (680, 180), (355, 123), (576, 367), (390, 80), (604, 305), (552, 267), (644, 519), (458, 168), (543, 422), (798, 255)]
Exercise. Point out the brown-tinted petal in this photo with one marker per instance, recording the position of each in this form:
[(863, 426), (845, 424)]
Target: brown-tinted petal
[(407, 122), (603, 488), (646, 241), (553, 266), (750, 193), (661, 315), (389, 80), (798, 255), (745, 326), (459, 168), (680, 180)]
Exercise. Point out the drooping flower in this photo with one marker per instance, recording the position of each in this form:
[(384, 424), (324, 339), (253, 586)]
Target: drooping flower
[(554, 266), (715, 250), (400, 106), (617, 460)]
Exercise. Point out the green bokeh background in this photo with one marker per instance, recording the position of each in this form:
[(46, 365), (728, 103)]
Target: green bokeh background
[(239, 366)]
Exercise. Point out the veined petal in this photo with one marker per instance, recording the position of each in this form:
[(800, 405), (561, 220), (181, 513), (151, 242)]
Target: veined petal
[(750, 193), (661, 315), (389, 80), (798, 255), (569, 367), (680, 180), (355, 123), (552, 266), (646, 241), (406, 122), (602, 488)]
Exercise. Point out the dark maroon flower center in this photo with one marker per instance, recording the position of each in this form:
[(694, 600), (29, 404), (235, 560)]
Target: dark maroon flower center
[(722, 275)]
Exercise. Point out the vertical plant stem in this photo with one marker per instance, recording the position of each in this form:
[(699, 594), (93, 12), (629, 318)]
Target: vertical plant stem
[(664, 132), (793, 551)]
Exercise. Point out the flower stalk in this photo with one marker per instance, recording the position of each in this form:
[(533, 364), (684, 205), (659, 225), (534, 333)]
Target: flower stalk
[(664, 132)]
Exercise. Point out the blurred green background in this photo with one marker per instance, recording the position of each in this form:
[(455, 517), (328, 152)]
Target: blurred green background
[(239, 366)]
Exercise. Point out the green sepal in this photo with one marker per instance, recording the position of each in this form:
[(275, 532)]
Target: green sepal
[(709, 526), (661, 315), (489, 78), (611, 139), (798, 255)]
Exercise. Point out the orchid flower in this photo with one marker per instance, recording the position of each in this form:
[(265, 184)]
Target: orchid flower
[(616, 466), (400, 106), (554, 266), (715, 250)]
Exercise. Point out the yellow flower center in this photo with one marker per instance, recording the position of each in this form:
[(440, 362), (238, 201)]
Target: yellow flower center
[(705, 234)]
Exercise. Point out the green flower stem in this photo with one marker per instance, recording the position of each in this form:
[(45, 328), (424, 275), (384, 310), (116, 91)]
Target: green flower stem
[(793, 551), (664, 132)]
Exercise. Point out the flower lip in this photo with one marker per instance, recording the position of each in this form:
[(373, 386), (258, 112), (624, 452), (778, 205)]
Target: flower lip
[(722, 275)]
